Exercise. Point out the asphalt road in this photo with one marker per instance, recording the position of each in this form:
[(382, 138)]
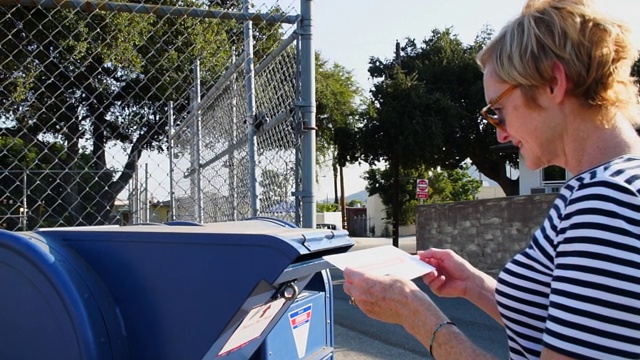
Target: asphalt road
[(357, 337)]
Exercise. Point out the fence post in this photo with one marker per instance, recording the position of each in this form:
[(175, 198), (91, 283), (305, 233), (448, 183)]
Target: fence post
[(251, 111), (297, 168), (25, 211), (231, 159), (134, 217), (172, 202), (308, 111), (146, 193), (197, 142)]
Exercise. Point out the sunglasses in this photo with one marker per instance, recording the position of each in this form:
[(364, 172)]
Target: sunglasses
[(490, 115)]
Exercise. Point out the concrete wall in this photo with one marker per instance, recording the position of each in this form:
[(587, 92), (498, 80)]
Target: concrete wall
[(487, 233)]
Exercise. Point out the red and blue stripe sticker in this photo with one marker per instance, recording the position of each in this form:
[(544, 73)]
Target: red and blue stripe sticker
[(300, 320)]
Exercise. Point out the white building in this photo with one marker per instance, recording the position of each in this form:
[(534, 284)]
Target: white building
[(542, 181)]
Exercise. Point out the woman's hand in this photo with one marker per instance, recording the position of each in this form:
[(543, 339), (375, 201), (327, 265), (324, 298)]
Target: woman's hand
[(385, 298), (400, 301), (453, 275)]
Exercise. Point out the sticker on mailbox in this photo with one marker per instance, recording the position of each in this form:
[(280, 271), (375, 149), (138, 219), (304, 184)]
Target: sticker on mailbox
[(299, 321), (252, 326)]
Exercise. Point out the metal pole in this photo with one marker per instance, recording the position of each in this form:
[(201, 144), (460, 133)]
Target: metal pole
[(297, 168), (134, 202), (231, 159), (308, 111), (172, 203), (249, 83), (195, 162), (146, 193), (297, 187), (23, 218)]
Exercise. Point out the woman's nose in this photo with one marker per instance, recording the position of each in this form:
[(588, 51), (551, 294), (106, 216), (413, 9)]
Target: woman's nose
[(502, 135)]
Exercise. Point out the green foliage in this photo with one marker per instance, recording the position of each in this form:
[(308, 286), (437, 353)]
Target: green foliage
[(15, 155), (452, 185), (46, 184), (336, 96), (444, 186), (327, 207), (395, 113), (424, 108), (355, 203)]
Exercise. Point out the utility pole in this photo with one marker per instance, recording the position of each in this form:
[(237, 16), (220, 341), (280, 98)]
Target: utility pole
[(343, 201), (395, 170)]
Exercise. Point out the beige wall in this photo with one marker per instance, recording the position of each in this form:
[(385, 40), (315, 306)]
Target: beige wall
[(485, 232), (329, 218), (375, 214), (490, 192)]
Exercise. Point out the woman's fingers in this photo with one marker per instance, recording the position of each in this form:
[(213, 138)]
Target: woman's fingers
[(436, 254), (430, 276), (436, 283), (353, 280)]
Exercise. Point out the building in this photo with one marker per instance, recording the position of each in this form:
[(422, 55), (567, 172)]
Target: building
[(542, 181)]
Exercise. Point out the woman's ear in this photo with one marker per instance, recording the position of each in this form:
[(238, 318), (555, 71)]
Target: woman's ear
[(558, 86)]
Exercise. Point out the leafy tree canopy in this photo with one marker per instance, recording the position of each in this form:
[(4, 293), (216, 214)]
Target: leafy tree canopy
[(336, 98), (429, 97), (327, 207), (444, 186), (355, 203)]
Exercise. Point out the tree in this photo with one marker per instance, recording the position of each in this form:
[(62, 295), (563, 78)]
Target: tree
[(449, 129), (452, 185), (423, 111), (336, 97), (324, 207), (26, 166), (88, 80), (444, 186), (355, 203), (391, 129)]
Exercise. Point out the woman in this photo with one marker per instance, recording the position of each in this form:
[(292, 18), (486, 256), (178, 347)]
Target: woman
[(558, 87)]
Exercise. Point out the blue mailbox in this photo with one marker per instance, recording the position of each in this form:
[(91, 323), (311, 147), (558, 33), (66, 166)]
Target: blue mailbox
[(253, 289)]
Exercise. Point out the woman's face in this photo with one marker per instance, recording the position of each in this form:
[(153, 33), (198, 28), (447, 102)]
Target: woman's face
[(527, 126)]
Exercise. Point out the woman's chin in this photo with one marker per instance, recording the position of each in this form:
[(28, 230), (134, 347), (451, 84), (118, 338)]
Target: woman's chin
[(532, 164)]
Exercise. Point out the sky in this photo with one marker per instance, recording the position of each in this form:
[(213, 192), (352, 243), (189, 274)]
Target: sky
[(349, 32)]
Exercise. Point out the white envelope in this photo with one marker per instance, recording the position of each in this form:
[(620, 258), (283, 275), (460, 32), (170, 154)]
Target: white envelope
[(382, 260)]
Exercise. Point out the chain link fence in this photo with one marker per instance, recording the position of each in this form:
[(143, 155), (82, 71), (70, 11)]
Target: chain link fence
[(118, 113)]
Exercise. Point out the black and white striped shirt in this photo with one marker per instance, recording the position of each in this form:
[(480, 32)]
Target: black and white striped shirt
[(576, 288)]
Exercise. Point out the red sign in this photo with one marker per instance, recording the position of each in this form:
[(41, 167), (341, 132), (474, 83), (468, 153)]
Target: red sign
[(422, 189)]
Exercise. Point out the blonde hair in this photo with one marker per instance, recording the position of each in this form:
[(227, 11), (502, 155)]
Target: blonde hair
[(596, 51)]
